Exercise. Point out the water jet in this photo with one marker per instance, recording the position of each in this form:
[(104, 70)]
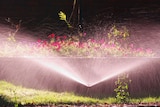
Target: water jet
[(86, 71)]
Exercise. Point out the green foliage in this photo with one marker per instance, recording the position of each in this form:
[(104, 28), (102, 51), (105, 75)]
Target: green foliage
[(11, 37), (16, 26), (116, 34), (15, 98), (122, 89), (63, 17), (122, 93)]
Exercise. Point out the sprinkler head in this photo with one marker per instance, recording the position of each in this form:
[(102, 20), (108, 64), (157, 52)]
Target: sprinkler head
[(88, 86)]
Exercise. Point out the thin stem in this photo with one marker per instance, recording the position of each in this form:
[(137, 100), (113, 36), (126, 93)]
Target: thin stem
[(74, 5)]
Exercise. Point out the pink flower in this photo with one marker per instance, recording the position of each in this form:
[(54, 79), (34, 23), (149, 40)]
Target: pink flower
[(84, 34), (57, 45), (81, 45), (101, 41), (139, 50), (54, 43), (131, 46), (39, 41), (58, 37), (92, 40), (44, 43), (51, 35), (149, 51), (113, 45), (64, 37)]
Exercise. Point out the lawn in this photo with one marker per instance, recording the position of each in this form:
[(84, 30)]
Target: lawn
[(12, 95)]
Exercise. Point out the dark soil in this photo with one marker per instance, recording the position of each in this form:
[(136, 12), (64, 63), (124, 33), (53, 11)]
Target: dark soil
[(99, 105)]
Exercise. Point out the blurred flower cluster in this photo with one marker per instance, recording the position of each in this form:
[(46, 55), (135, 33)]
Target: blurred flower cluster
[(65, 46)]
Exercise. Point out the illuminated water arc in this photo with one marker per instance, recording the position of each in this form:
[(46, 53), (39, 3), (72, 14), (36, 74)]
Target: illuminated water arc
[(125, 69), (59, 66), (63, 71), (104, 79)]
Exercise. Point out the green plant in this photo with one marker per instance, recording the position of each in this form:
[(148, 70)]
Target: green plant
[(13, 92), (118, 35), (12, 34), (15, 98), (122, 89), (63, 17)]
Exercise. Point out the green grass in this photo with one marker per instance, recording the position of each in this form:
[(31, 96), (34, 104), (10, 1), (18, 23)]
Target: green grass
[(12, 95)]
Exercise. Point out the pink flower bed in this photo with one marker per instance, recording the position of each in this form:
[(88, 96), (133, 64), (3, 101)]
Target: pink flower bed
[(64, 46)]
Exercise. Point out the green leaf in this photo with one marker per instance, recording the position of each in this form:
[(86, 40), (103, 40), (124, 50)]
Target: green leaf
[(62, 16)]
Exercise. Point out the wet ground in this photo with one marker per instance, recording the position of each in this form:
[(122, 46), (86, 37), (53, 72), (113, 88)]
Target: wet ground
[(102, 105)]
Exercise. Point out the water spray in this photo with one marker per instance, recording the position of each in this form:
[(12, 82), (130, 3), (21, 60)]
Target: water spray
[(62, 69)]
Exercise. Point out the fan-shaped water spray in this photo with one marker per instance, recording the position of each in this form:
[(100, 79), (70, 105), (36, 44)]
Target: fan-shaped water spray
[(91, 71)]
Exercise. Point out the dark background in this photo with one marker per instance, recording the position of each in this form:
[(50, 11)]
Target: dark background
[(36, 13), (40, 8)]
